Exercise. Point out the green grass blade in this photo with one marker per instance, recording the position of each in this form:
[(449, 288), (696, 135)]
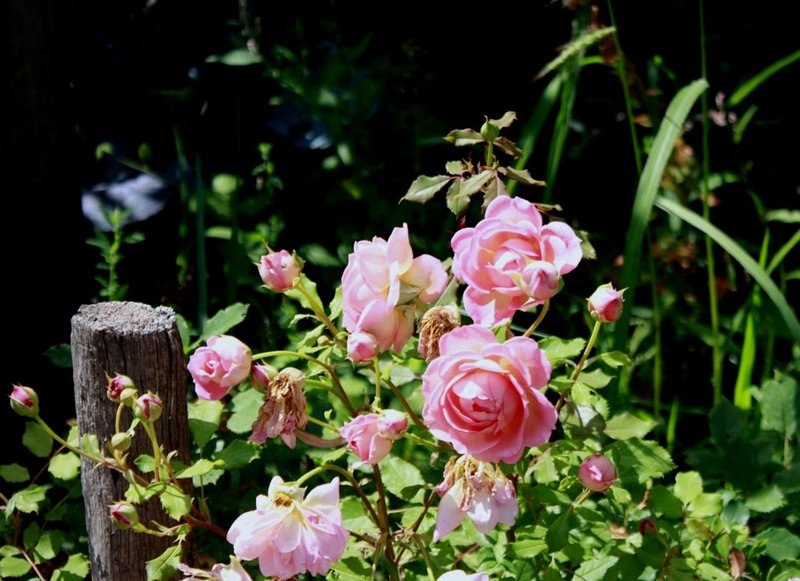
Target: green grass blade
[(646, 192), (741, 256), (750, 85)]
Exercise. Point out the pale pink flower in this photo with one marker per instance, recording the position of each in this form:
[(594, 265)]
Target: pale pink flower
[(475, 489), (371, 436), (597, 473), (278, 270), (379, 285), (605, 304), (289, 534), (283, 410), (458, 575), (219, 572), (483, 396), (223, 363), (500, 260)]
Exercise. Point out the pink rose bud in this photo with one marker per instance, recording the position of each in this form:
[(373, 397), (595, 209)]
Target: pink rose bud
[(647, 527), (278, 270), (24, 401), (216, 368), (148, 407), (370, 436), (361, 346), (597, 473), (261, 375), (123, 515), (117, 384), (605, 304)]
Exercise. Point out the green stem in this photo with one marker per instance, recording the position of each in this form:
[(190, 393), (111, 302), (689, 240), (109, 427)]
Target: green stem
[(581, 362), (318, 309), (157, 455), (406, 406), (322, 424), (383, 511), (376, 367), (539, 319), (415, 526), (67, 445), (716, 355)]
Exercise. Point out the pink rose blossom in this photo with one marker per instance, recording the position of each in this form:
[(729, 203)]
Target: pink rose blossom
[(381, 280), (278, 270), (510, 261), (458, 575), (483, 396), (216, 368), (475, 489), (289, 534), (597, 473), (371, 436), (605, 304)]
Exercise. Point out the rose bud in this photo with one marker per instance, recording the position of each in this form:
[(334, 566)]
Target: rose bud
[(278, 270), (597, 473), (24, 401), (605, 304), (120, 441), (117, 384), (261, 375), (148, 407), (123, 515)]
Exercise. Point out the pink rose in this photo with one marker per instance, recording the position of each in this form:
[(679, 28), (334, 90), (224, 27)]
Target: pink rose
[(605, 304), (289, 534), (458, 575), (597, 473), (504, 260), (478, 490), (278, 270), (379, 285), (483, 396), (219, 572), (371, 436), (216, 368)]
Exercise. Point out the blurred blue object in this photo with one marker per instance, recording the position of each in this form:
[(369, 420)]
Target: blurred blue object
[(138, 198)]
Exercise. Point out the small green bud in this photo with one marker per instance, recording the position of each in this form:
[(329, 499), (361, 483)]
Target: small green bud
[(123, 515), (490, 131), (120, 441)]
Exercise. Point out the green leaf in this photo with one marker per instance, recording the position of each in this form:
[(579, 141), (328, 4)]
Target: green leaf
[(557, 350), (310, 288), (522, 176), (28, 499), (60, 355), (65, 466), (780, 405), (76, 567), (743, 90), (204, 418), (13, 567), (527, 548), (741, 256), (782, 545), (646, 192), (49, 544), (402, 479), (510, 148), (557, 534), (615, 359), (37, 440), (175, 502), (90, 444), (245, 411), (424, 188), (138, 494), (597, 378), (199, 468), (662, 501), (163, 567), (236, 58), (506, 120), (238, 454), (688, 485), (766, 500), (625, 425), (595, 569), (726, 422), (319, 255), (14, 473), (460, 137), (222, 321), (576, 47), (638, 461), (145, 463), (31, 535)]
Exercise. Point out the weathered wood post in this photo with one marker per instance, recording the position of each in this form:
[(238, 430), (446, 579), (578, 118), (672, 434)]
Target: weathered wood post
[(143, 343)]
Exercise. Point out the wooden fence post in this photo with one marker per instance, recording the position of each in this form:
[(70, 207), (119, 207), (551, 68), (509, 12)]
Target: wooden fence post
[(143, 343)]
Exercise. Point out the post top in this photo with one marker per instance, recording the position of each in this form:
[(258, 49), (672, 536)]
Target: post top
[(125, 317)]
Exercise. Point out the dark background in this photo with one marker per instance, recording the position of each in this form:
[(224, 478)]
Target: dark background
[(81, 73)]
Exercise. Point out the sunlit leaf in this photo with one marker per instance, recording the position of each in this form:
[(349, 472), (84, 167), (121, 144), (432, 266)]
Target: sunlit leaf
[(424, 188)]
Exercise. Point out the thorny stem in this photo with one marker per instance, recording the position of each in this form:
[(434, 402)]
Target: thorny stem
[(319, 311), (415, 526), (67, 445), (385, 525)]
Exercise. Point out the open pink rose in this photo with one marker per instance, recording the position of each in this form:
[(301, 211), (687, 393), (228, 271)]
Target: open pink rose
[(371, 436), (381, 280), (510, 261), (289, 534), (223, 363), (483, 396)]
